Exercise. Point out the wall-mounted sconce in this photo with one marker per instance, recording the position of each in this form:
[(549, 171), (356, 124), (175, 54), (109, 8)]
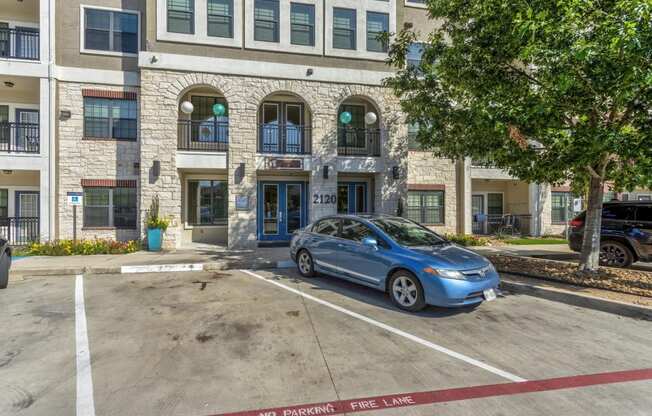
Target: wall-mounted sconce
[(309, 72), (7, 171), (136, 168), (326, 172), (156, 168), (64, 115), (396, 172)]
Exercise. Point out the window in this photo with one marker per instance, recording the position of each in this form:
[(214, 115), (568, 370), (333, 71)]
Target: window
[(356, 231), (110, 207), (220, 18), (377, 25), (413, 130), (417, 1), (562, 207), (407, 233), (106, 30), (618, 212), (495, 204), (644, 198), (208, 202), (266, 19), (414, 55), (110, 119), (181, 16), (426, 207), (302, 24), (329, 226), (344, 28), (644, 213), (4, 203)]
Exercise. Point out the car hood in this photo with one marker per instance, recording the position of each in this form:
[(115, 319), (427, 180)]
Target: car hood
[(450, 256)]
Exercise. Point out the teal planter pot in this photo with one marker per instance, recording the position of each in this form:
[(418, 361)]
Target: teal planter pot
[(154, 239)]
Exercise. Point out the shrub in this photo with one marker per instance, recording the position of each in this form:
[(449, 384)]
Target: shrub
[(467, 239), (79, 247)]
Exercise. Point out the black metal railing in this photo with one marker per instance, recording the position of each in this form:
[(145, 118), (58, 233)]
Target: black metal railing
[(19, 44), (511, 224), (284, 139), (20, 231), (358, 142), (19, 137), (207, 136)]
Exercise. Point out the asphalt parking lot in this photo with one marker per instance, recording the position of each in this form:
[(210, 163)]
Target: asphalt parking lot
[(200, 344)]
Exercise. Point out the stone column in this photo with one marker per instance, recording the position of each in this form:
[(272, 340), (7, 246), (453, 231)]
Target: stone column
[(324, 153)]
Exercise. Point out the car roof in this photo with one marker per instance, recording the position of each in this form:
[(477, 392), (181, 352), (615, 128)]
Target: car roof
[(628, 203)]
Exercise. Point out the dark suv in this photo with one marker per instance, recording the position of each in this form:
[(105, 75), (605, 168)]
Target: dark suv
[(626, 234)]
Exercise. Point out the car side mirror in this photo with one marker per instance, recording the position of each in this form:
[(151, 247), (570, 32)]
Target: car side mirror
[(370, 242)]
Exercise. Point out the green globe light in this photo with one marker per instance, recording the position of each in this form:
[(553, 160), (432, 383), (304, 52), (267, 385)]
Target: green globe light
[(219, 109), (345, 117)]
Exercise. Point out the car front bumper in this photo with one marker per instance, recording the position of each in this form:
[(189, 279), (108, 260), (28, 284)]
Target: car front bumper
[(451, 292)]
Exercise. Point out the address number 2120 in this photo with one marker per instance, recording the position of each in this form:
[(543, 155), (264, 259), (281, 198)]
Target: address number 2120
[(324, 199)]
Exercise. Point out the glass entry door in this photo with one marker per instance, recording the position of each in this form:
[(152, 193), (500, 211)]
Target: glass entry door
[(282, 210), (477, 213), (351, 197)]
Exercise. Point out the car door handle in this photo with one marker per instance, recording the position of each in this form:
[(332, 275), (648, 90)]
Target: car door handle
[(340, 245)]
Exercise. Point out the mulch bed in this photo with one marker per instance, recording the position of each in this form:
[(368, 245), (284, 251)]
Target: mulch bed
[(634, 282)]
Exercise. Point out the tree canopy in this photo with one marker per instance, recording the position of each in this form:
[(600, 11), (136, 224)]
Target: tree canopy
[(551, 91)]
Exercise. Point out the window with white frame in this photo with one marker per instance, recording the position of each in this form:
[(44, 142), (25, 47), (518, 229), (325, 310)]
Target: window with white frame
[(344, 28), (377, 25), (266, 20), (181, 16), (302, 24), (110, 207), (220, 18), (111, 31)]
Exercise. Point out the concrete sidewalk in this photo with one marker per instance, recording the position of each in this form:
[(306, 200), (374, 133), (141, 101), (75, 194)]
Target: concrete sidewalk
[(212, 257)]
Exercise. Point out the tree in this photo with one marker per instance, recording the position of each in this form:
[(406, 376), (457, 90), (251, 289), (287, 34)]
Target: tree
[(551, 91)]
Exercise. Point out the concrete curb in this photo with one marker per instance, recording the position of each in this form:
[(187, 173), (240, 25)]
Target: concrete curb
[(615, 307)]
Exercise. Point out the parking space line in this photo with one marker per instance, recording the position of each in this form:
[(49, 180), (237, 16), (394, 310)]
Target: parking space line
[(85, 402), (163, 268), (376, 403), (396, 331)]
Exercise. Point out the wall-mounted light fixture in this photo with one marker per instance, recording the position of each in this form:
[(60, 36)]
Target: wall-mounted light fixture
[(156, 168), (396, 172), (64, 115), (7, 171), (309, 72), (325, 171)]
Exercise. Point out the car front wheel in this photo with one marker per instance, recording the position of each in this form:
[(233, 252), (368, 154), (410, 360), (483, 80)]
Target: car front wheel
[(305, 264), (406, 291), (615, 254)]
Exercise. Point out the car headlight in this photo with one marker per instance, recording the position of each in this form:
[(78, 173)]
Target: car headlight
[(448, 274)]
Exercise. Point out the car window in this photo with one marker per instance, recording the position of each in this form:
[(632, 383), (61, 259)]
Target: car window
[(408, 233), (328, 226), (644, 213), (618, 212), (355, 230)]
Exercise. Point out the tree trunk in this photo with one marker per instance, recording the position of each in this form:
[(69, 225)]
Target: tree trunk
[(590, 257)]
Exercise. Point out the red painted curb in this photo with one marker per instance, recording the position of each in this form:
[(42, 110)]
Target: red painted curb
[(448, 395)]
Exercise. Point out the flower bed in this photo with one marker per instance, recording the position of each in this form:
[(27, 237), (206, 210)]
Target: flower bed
[(79, 247), (634, 282)]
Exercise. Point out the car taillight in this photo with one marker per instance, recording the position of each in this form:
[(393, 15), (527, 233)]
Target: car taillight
[(577, 222)]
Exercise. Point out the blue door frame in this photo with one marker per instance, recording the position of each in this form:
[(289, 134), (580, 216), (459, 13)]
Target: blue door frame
[(282, 210), (351, 196)]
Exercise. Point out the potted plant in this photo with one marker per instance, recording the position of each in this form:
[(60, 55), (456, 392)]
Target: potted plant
[(156, 226)]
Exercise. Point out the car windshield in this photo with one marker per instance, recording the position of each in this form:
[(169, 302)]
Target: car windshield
[(407, 233)]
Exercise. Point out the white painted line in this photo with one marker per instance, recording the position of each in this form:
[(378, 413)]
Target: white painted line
[(163, 268), (85, 402), (396, 331)]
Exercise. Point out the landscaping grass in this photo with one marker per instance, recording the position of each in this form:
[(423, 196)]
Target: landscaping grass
[(532, 241)]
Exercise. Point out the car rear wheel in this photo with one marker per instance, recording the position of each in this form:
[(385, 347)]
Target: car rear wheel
[(406, 291), (615, 254), (305, 264), (5, 262)]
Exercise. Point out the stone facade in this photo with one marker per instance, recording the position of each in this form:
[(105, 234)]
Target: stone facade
[(160, 94), (425, 169), (83, 158)]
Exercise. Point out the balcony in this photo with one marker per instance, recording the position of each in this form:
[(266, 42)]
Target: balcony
[(20, 43), (19, 138), (203, 136), (284, 139), (20, 231), (363, 142)]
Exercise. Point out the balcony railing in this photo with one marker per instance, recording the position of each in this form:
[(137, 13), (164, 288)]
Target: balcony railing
[(204, 136), (512, 224), (282, 138), (358, 142), (19, 137), (20, 231), (19, 43)]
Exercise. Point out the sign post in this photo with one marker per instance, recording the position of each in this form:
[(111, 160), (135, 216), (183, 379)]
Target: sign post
[(74, 199)]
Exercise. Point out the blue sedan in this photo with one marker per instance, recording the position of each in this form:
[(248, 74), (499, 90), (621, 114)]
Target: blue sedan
[(415, 265)]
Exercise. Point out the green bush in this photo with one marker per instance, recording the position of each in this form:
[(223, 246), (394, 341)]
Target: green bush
[(467, 239), (79, 247)]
